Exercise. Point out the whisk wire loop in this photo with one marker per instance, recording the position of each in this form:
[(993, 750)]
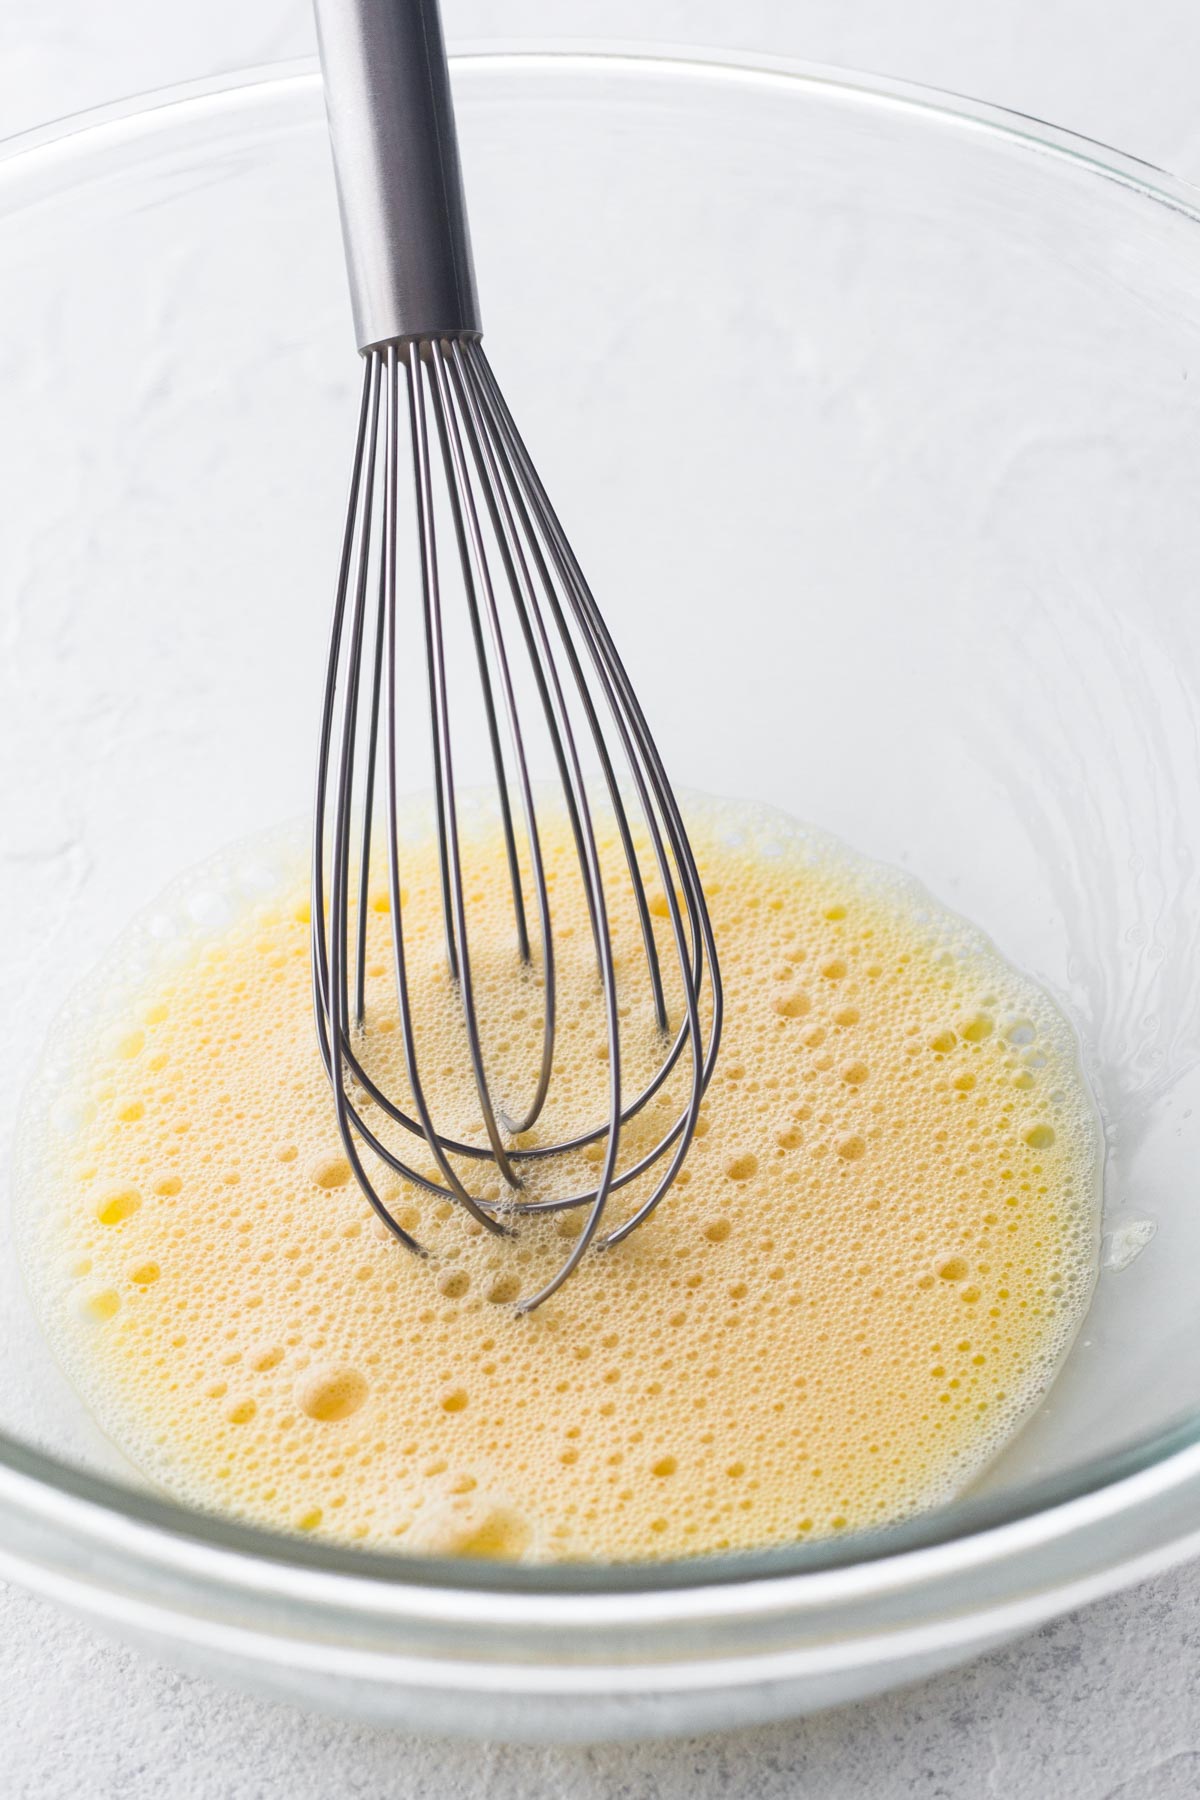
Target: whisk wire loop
[(482, 513)]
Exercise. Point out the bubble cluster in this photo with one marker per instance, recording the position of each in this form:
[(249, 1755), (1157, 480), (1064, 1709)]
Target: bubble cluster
[(878, 1250)]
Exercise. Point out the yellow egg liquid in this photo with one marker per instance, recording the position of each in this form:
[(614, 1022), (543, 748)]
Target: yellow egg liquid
[(879, 1248)]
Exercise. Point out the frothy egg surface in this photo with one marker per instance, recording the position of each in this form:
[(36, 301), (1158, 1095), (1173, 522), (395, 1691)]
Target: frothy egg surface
[(879, 1248)]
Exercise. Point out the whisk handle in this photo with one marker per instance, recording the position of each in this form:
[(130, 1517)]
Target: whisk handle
[(395, 153)]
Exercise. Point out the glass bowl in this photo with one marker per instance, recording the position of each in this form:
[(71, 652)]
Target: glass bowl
[(870, 413)]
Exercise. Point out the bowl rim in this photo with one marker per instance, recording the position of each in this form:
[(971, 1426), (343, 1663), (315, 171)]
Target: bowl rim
[(137, 113), (49, 1503)]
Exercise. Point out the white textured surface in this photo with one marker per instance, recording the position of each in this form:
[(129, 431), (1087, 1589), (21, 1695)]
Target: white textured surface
[(1101, 1705), (1096, 1706)]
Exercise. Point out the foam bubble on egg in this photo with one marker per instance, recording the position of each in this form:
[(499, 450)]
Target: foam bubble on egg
[(879, 1248)]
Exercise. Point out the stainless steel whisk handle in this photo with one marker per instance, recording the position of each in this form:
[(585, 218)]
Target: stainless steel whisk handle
[(395, 153)]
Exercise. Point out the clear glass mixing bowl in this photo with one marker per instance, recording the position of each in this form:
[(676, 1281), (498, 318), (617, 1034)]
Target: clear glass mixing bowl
[(870, 413)]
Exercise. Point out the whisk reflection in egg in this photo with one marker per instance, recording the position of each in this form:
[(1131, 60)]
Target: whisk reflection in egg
[(547, 677)]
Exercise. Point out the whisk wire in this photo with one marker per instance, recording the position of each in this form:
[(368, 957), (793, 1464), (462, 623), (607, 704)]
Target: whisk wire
[(476, 579), (320, 959), (449, 848), (613, 675), (476, 573), (499, 499), (332, 1026), (368, 809), (438, 1146)]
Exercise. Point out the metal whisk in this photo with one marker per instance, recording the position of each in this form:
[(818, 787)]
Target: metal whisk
[(485, 527)]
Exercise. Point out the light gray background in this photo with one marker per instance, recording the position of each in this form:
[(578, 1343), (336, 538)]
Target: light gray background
[(1100, 1705)]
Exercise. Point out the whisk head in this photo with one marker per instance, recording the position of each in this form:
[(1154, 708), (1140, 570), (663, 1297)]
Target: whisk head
[(495, 596)]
